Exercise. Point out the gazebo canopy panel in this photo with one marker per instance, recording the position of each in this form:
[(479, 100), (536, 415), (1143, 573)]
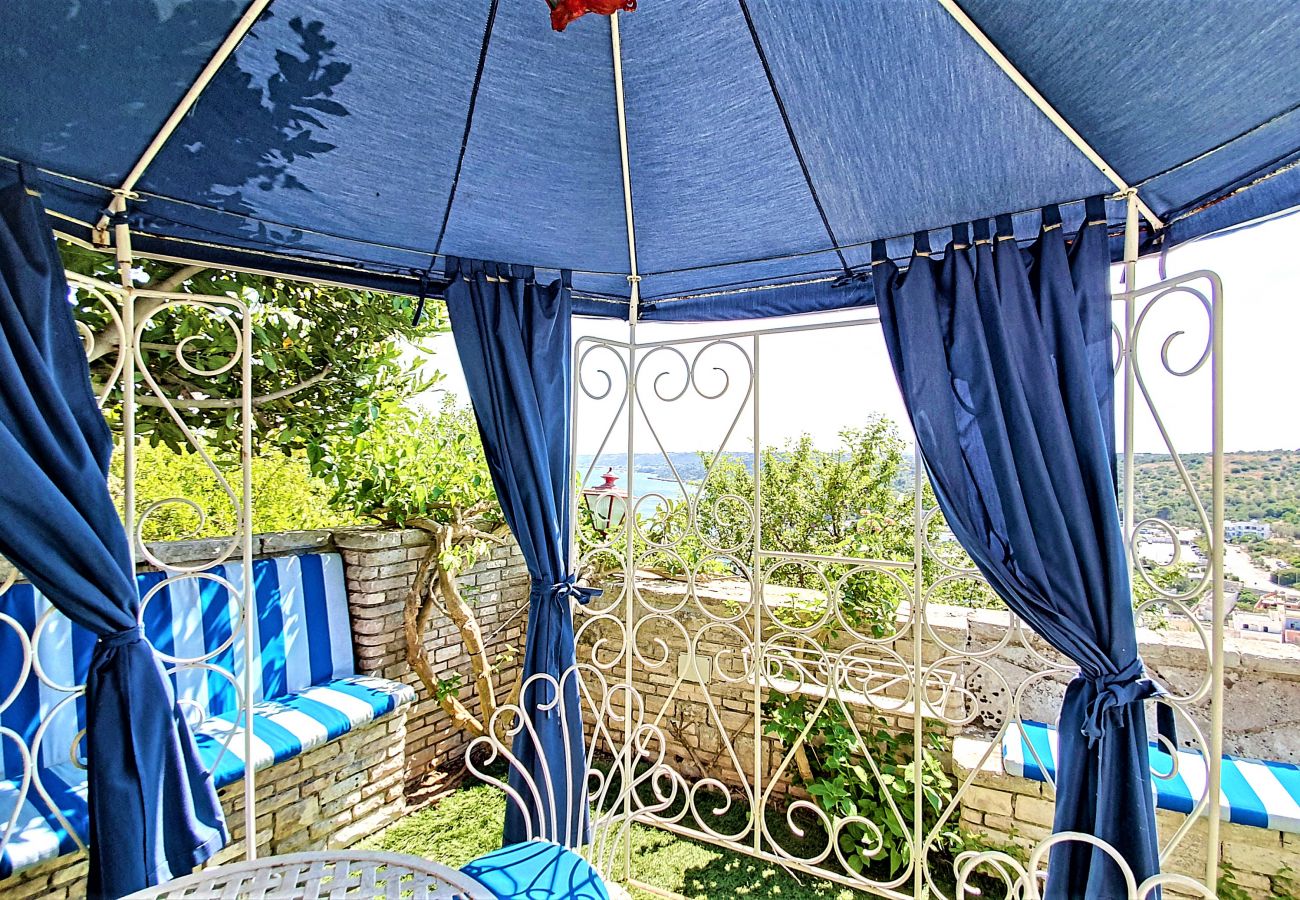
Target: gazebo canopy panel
[(769, 142)]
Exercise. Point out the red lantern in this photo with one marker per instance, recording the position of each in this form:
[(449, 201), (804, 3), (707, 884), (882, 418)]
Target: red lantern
[(565, 11), (607, 503)]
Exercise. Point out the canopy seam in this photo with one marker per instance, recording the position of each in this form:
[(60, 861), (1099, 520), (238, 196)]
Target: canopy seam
[(469, 123), (789, 130), (1222, 146), (854, 245), (1218, 196)]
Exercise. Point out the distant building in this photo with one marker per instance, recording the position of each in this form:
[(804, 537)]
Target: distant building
[(1257, 623), (1274, 614), (1255, 529)]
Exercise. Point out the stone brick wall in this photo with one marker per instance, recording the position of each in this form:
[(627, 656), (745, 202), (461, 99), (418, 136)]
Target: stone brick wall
[(702, 732), (1017, 812), (380, 568), (327, 798), (1261, 682)]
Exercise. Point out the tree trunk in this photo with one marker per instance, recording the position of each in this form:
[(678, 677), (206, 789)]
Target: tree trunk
[(420, 605), (462, 616), (433, 583), (512, 700)]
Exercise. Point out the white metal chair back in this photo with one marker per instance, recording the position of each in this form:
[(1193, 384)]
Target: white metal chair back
[(627, 777)]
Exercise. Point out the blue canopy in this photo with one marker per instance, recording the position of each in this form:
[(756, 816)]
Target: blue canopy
[(769, 142)]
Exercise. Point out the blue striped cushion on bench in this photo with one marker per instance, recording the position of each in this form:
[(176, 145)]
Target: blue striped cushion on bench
[(282, 729), (39, 833), (305, 689), (301, 630), (288, 726), (1254, 792)]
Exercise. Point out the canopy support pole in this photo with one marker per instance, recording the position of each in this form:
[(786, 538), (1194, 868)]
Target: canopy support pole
[(1130, 375), (209, 71), (131, 334), (1218, 489), (634, 278), (1019, 80), (633, 311)]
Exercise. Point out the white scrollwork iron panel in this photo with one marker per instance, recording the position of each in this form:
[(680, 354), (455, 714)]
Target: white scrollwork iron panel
[(764, 673), (42, 688)]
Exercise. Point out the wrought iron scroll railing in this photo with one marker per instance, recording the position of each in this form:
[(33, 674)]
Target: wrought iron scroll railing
[(716, 630), (128, 380), (701, 637)]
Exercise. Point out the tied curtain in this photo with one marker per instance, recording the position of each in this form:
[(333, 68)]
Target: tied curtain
[(1004, 359), (513, 336), (154, 813)]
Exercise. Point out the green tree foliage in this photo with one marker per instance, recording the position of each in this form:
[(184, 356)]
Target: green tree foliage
[(414, 468), (1286, 577), (842, 502), (1284, 549), (286, 495), (1262, 484), (405, 466), (846, 503), (318, 352), (867, 771)]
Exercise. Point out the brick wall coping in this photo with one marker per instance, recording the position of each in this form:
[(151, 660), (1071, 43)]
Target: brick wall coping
[(285, 543)]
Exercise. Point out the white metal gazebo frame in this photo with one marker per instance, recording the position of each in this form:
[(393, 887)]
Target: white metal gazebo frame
[(602, 625), (117, 234)]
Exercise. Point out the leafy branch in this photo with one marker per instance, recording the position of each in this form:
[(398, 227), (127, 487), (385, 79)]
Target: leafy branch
[(419, 469)]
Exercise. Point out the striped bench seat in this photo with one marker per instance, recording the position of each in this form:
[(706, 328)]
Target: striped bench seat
[(287, 726), (1254, 791), (306, 691)]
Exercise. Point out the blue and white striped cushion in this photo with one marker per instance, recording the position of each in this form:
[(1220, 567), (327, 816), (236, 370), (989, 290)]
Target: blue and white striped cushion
[(39, 834), (64, 659), (303, 679), (1253, 792), (288, 726), (282, 729), (301, 629)]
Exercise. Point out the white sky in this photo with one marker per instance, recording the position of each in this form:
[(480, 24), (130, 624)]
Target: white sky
[(821, 381)]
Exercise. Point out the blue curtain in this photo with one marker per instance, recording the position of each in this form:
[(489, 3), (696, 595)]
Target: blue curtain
[(513, 336), (153, 810), (1004, 360)]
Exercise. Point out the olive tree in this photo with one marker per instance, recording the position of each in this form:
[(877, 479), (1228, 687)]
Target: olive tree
[(414, 468)]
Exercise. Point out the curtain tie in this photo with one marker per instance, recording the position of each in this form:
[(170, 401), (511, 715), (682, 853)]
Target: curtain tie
[(1115, 690), (568, 590), (123, 637)]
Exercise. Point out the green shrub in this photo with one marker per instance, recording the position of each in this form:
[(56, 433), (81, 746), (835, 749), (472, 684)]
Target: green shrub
[(286, 497), (840, 755)]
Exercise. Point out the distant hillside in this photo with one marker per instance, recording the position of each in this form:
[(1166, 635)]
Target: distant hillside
[(690, 466), (1260, 484)]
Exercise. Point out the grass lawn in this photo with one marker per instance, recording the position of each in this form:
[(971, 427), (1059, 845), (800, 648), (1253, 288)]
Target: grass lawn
[(467, 823)]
